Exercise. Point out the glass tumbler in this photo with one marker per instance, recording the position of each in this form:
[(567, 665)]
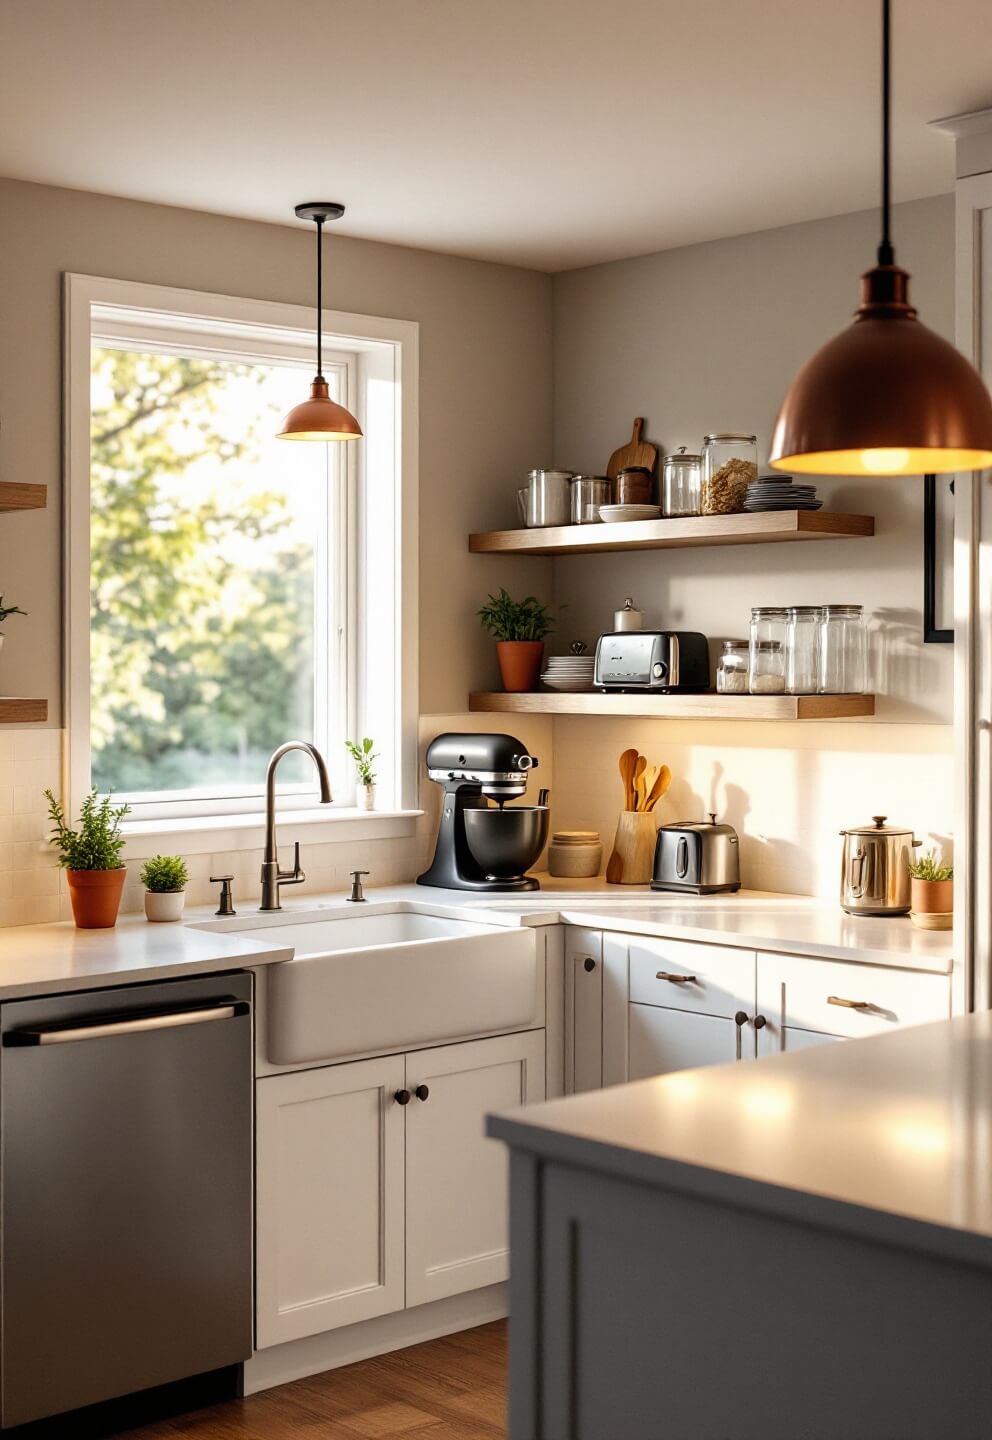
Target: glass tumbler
[(802, 650), (588, 492), (843, 666)]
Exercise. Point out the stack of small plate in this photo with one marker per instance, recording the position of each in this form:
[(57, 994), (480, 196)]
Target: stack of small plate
[(780, 492), (613, 513), (569, 673)]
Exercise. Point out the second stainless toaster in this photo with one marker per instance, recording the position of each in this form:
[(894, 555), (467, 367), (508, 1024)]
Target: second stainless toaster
[(697, 856)]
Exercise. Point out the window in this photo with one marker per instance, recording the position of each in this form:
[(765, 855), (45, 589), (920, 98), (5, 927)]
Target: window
[(222, 585)]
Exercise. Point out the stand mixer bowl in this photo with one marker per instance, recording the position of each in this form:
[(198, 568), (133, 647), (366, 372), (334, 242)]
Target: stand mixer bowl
[(506, 842)]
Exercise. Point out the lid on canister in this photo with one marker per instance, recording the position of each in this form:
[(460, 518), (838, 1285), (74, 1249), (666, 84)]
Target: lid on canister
[(878, 827), (682, 456), (842, 609), (575, 837), (634, 470), (730, 435)]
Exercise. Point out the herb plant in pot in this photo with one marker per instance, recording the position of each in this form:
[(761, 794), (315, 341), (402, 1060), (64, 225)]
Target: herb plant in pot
[(519, 628), (931, 886), (164, 878), (91, 858), (6, 610), (362, 753)]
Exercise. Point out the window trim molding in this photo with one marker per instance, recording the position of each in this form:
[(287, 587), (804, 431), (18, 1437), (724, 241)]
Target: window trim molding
[(391, 345)]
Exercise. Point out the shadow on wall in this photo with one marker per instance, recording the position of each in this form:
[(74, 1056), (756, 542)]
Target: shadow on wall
[(899, 661)]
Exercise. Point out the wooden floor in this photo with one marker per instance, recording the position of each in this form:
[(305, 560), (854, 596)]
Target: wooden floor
[(448, 1389)]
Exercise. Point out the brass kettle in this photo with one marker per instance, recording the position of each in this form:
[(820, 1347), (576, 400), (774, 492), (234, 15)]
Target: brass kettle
[(874, 875)]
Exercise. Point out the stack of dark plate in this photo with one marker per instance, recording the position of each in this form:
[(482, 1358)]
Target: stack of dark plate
[(780, 492)]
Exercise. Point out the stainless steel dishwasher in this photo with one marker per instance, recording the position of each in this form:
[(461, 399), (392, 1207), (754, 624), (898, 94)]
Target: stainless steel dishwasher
[(126, 1174)]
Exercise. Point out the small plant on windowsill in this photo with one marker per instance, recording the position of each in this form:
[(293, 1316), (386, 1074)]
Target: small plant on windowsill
[(519, 628), (92, 858), (363, 754), (5, 611), (931, 885), (164, 878)]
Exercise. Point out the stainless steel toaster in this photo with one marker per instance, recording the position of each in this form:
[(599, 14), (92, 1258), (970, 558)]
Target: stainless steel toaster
[(699, 857), (652, 660)]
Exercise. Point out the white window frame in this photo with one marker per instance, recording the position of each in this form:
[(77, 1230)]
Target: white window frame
[(380, 359)]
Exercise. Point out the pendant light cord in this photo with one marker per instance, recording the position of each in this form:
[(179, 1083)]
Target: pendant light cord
[(320, 300), (886, 253)]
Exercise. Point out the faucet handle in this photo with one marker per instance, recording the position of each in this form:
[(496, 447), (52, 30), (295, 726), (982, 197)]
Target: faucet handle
[(356, 897), (226, 906)]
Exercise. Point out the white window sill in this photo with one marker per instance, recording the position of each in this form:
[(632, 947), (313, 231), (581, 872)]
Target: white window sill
[(202, 834)]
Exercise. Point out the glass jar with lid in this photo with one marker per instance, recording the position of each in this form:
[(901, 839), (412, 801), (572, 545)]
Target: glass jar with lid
[(681, 483), (802, 649), (730, 463), (588, 492), (843, 663), (766, 656), (732, 668)]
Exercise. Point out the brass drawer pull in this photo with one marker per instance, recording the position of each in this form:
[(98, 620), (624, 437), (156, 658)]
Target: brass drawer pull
[(677, 979), (850, 1004)]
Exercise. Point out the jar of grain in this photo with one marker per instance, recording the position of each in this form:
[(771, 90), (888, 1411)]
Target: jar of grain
[(732, 668), (730, 463), (575, 854), (766, 656)]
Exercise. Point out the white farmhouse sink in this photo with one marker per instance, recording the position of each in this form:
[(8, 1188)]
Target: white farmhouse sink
[(395, 980)]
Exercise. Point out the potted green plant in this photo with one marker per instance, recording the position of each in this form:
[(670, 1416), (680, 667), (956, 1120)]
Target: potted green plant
[(931, 885), (362, 753), (519, 628), (164, 878), (91, 858), (5, 611)]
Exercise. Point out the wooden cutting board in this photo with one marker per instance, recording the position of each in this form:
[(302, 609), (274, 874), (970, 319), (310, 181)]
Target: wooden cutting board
[(637, 452)]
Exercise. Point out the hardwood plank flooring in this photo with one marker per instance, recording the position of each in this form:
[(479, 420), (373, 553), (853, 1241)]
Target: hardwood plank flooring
[(448, 1389)]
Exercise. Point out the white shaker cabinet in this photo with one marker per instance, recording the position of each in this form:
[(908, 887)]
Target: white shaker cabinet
[(329, 1198), (661, 1040), (456, 1182), (583, 1009)]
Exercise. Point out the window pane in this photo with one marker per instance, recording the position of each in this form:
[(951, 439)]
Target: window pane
[(207, 541)]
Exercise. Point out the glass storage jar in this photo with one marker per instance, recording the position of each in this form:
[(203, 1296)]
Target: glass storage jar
[(681, 483), (802, 649), (588, 492), (732, 668), (730, 463), (766, 655), (843, 665)]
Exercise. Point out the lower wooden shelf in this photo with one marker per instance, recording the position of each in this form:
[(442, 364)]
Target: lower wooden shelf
[(680, 707), (16, 711)]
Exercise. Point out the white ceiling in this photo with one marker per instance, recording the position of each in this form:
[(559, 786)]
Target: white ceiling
[(551, 133)]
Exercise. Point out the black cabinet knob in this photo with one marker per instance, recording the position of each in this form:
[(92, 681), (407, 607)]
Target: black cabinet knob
[(402, 1097), (760, 1022), (589, 963), (421, 1092), (740, 1018)]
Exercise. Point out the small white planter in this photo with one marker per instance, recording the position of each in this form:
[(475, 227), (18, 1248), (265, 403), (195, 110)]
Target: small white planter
[(366, 797), (161, 905)]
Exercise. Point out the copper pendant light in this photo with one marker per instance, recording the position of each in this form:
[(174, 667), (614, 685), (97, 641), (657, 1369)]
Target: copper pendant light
[(320, 417), (887, 396)]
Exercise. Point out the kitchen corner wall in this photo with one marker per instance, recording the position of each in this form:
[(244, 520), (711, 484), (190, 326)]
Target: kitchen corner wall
[(707, 338)]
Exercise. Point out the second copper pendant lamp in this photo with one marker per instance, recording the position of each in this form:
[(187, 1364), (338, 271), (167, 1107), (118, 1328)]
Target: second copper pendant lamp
[(887, 396), (320, 417)]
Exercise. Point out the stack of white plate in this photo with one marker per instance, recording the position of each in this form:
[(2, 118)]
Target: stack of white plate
[(569, 673), (613, 513)]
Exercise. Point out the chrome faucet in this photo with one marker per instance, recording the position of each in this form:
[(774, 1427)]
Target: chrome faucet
[(272, 876)]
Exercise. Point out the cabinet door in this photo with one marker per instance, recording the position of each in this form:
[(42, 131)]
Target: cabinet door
[(783, 1039), (663, 1040), (583, 1009), (846, 998), (329, 1184), (456, 1181)]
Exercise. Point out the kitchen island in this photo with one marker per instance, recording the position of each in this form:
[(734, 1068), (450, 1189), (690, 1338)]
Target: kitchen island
[(800, 1248)]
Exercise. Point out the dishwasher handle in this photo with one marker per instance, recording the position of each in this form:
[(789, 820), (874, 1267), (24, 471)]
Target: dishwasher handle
[(133, 1024)]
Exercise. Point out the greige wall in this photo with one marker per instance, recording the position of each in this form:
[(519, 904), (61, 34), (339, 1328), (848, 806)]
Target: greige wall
[(485, 386)]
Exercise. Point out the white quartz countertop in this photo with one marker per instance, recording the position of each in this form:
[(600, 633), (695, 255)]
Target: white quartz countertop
[(888, 1137), (38, 959)]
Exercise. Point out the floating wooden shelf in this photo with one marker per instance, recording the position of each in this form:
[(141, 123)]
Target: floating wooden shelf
[(681, 707), (16, 496), (764, 528), (15, 711)]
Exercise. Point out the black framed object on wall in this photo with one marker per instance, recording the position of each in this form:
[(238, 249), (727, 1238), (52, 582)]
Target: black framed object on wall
[(938, 558)]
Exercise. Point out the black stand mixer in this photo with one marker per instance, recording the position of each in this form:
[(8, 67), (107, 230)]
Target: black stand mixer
[(481, 846)]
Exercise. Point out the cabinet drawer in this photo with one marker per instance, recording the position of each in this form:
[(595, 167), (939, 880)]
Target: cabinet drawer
[(707, 979), (847, 999)]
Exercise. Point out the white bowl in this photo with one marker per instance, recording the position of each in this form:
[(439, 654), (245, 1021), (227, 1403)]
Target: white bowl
[(611, 514)]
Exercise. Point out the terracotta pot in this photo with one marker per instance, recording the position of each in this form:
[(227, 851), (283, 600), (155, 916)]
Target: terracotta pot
[(164, 905), (519, 664), (96, 897), (932, 897)]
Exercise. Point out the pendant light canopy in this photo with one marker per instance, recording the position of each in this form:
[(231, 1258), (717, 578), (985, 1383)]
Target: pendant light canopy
[(320, 417), (887, 396)]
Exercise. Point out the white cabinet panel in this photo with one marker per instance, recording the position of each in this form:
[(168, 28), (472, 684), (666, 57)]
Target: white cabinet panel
[(778, 1040), (330, 1198), (664, 1040), (583, 1009), (708, 979), (456, 1179), (844, 998)]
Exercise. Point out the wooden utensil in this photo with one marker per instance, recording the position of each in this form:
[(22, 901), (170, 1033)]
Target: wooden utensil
[(628, 763), (635, 452), (661, 783), (639, 787)]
